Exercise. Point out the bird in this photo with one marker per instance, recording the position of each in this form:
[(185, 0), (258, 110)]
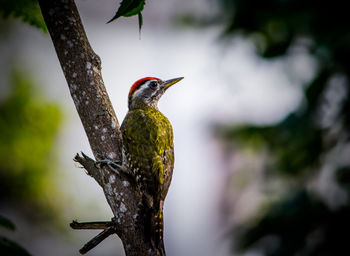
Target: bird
[(148, 149)]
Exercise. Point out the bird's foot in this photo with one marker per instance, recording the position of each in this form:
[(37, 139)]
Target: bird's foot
[(115, 166)]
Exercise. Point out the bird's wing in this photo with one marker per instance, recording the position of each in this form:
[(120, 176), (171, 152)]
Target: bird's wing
[(148, 139)]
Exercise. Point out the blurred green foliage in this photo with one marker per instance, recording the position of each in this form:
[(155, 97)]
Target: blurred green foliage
[(6, 223), (7, 246), (280, 23), (28, 129), (27, 10), (301, 222)]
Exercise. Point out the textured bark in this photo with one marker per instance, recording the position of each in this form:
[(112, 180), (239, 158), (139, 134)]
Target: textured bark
[(82, 70)]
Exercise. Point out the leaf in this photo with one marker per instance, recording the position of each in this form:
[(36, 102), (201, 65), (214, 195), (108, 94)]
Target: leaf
[(26, 10), (11, 248), (130, 8), (6, 223), (140, 21)]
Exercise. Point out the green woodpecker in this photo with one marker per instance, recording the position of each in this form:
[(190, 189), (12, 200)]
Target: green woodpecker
[(148, 149), (148, 138)]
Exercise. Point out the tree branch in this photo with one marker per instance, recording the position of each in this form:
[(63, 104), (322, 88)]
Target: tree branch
[(89, 165), (82, 70), (91, 225), (97, 239)]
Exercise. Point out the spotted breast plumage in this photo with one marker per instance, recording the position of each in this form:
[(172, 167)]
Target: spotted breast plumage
[(149, 150)]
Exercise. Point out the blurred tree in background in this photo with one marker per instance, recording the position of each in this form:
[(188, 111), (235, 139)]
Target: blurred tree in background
[(307, 152), (28, 128), (29, 124)]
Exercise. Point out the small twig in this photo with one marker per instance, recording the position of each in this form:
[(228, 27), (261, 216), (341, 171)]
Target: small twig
[(91, 225), (108, 226), (97, 239), (89, 165)]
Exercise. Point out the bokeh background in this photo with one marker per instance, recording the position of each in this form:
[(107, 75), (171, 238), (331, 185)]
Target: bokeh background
[(261, 125)]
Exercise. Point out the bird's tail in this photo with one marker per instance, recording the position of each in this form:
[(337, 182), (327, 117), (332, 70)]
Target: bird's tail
[(157, 230), (154, 225)]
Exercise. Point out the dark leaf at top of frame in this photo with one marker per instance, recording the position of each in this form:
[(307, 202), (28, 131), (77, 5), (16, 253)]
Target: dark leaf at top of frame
[(129, 8)]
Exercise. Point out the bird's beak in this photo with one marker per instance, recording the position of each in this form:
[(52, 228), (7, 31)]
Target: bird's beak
[(170, 82)]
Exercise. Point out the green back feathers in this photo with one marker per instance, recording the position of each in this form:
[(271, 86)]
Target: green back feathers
[(147, 137)]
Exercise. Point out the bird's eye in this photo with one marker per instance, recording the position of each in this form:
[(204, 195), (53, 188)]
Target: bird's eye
[(153, 84)]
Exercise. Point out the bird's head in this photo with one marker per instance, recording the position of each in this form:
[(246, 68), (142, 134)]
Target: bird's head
[(146, 92)]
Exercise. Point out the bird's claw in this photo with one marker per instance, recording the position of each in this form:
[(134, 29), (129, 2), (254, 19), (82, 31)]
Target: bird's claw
[(113, 165)]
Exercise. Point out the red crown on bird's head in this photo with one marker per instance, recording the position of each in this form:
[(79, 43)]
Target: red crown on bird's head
[(139, 82)]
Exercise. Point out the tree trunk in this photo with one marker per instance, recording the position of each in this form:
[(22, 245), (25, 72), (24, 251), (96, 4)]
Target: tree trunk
[(82, 70)]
